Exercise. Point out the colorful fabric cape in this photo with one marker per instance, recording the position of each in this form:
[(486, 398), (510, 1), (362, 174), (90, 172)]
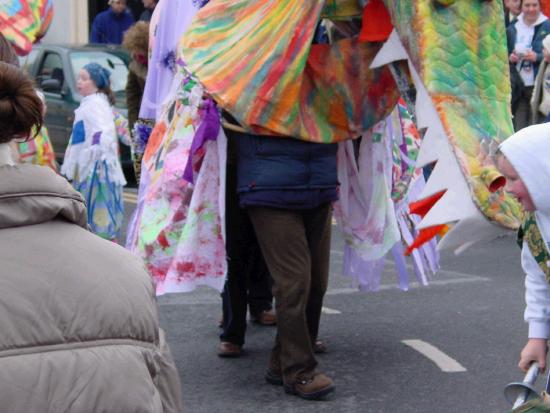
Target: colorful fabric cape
[(178, 230)]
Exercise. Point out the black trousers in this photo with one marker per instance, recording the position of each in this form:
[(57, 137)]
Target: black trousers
[(248, 284)]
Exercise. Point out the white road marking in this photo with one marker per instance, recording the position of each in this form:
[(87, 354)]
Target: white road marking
[(443, 361), (327, 310), (414, 284), (130, 197)]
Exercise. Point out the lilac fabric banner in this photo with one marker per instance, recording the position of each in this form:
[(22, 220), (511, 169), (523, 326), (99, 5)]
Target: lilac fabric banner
[(175, 17)]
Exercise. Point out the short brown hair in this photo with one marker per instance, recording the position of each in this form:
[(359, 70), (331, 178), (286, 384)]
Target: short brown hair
[(20, 106)]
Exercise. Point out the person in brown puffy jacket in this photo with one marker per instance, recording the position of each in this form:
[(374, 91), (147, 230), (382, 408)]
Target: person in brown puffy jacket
[(79, 321)]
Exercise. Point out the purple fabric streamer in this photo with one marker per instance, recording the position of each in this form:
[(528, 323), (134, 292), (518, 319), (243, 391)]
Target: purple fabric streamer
[(207, 131), (398, 253), (175, 17)]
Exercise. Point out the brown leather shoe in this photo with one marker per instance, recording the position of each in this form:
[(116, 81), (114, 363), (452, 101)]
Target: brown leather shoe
[(311, 388), (228, 349), (265, 318)]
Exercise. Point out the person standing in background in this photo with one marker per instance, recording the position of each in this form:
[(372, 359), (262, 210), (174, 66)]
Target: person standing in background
[(92, 160), (149, 8), (524, 38), (540, 101), (109, 26), (136, 42), (512, 9), (38, 150)]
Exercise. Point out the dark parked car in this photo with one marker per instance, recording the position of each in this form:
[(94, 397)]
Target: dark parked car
[(55, 70)]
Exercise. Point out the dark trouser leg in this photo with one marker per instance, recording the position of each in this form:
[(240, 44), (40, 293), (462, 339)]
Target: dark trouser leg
[(234, 294), (522, 115), (318, 230), (283, 239), (260, 297)]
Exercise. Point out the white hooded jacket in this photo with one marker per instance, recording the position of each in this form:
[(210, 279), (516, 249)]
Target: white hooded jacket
[(529, 153)]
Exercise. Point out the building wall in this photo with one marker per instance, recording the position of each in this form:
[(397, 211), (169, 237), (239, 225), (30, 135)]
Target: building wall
[(73, 18), (70, 22)]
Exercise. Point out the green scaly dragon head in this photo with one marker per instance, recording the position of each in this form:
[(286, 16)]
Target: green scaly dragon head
[(457, 57)]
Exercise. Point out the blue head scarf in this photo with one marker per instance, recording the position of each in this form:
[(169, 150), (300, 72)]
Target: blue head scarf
[(99, 75)]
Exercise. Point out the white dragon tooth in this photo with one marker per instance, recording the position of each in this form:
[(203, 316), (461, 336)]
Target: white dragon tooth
[(432, 146), (453, 205), (443, 212), (446, 174), (426, 114), (461, 236), (391, 51)]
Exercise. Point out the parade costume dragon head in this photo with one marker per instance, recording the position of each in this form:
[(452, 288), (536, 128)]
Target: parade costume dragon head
[(259, 61)]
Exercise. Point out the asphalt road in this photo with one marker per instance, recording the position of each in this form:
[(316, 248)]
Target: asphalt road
[(472, 312)]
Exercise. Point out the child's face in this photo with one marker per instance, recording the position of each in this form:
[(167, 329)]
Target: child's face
[(514, 184), (85, 84)]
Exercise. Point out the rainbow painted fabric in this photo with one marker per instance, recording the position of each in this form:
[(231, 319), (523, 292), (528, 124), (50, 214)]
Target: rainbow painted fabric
[(256, 59), (38, 151), (23, 22)]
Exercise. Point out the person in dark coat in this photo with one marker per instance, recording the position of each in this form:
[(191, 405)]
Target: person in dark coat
[(136, 42), (512, 9), (109, 26), (149, 6)]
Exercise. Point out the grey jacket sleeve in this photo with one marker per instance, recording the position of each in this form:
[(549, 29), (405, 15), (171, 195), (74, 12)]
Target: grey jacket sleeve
[(169, 383), (537, 296)]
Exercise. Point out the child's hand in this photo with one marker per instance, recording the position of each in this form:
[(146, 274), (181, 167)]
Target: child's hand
[(534, 350), (530, 56)]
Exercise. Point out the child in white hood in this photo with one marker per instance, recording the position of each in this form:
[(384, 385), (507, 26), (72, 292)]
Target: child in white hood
[(524, 161)]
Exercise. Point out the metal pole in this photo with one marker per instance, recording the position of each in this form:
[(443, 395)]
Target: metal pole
[(530, 378)]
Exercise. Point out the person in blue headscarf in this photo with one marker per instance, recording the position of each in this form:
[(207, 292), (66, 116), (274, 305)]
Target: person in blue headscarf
[(92, 162)]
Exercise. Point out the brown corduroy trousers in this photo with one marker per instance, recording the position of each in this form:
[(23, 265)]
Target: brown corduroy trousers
[(296, 247)]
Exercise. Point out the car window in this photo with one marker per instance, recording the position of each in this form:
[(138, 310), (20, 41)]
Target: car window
[(26, 62), (110, 61), (52, 68)]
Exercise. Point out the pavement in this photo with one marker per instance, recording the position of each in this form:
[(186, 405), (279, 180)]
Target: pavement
[(449, 347)]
